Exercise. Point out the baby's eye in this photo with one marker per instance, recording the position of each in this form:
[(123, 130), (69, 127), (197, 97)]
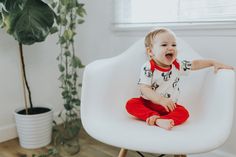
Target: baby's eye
[(174, 45), (164, 45)]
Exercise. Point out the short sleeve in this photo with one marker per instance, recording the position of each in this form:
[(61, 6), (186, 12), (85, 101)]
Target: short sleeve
[(146, 74), (185, 67)]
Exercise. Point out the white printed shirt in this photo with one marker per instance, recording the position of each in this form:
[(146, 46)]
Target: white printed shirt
[(164, 81)]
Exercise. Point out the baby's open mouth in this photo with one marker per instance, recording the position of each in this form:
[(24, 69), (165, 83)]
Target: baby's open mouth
[(169, 55)]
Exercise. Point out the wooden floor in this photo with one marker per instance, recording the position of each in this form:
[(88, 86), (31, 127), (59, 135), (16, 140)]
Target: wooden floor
[(88, 148)]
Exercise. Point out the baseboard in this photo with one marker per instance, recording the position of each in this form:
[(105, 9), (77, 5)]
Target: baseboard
[(9, 132)]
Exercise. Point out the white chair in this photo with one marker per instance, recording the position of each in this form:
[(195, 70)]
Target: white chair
[(109, 83)]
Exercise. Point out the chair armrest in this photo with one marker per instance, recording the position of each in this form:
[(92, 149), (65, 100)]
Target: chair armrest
[(96, 79), (217, 100), (219, 87)]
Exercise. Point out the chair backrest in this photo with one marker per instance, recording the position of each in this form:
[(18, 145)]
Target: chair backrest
[(118, 77), (127, 70)]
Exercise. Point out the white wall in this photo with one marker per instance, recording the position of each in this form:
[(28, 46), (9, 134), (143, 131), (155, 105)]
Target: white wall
[(96, 40)]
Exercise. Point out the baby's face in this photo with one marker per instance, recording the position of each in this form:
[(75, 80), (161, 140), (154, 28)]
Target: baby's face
[(164, 48)]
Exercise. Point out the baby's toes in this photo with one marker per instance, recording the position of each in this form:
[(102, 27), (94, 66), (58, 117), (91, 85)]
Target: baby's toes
[(151, 120)]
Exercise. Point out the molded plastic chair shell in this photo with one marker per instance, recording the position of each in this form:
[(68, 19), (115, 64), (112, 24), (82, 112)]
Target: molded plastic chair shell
[(109, 83)]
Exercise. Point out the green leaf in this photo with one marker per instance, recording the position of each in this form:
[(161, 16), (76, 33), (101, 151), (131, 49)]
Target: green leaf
[(80, 21), (52, 151), (63, 21), (65, 93), (70, 5), (75, 101), (64, 2), (78, 102), (79, 5), (62, 40), (76, 62), (29, 22), (68, 107), (53, 30), (11, 5), (74, 92), (53, 4), (67, 53), (67, 98), (59, 115), (68, 34), (61, 77), (73, 26), (75, 76), (81, 12), (73, 3), (61, 68), (68, 76), (58, 20), (69, 84)]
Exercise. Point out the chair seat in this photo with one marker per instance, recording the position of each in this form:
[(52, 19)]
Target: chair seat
[(127, 132)]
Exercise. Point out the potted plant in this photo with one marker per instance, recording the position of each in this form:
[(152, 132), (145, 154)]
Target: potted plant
[(68, 15), (29, 21)]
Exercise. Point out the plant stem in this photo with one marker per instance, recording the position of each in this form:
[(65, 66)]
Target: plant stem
[(24, 76)]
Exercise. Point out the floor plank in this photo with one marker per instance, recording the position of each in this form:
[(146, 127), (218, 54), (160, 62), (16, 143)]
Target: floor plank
[(89, 147)]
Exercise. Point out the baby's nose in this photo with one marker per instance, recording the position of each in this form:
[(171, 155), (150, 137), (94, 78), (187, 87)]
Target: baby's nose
[(171, 48)]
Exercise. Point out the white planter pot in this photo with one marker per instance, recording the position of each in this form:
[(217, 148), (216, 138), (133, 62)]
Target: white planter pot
[(34, 131)]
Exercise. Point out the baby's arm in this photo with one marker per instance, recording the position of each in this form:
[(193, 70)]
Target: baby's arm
[(168, 104), (200, 64)]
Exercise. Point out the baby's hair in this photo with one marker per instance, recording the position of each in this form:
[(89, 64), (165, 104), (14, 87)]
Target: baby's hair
[(152, 34)]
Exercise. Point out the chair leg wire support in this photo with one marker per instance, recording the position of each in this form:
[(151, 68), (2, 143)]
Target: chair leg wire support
[(162, 155), (140, 154)]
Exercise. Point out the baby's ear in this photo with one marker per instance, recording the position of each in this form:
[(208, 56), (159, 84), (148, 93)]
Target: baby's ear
[(149, 51)]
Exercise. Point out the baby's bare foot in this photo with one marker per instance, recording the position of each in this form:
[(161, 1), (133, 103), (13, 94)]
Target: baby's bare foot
[(152, 120), (165, 123)]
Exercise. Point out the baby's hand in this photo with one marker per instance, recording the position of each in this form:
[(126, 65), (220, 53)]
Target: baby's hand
[(168, 104), (218, 65)]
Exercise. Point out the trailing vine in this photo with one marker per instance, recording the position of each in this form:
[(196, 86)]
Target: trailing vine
[(69, 14)]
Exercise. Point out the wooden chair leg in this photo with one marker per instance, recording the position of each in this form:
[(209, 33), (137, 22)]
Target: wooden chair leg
[(123, 152), (180, 155)]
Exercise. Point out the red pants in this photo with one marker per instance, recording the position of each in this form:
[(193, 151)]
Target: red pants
[(143, 109)]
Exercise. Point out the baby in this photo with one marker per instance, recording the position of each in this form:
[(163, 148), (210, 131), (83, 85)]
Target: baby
[(159, 81)]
